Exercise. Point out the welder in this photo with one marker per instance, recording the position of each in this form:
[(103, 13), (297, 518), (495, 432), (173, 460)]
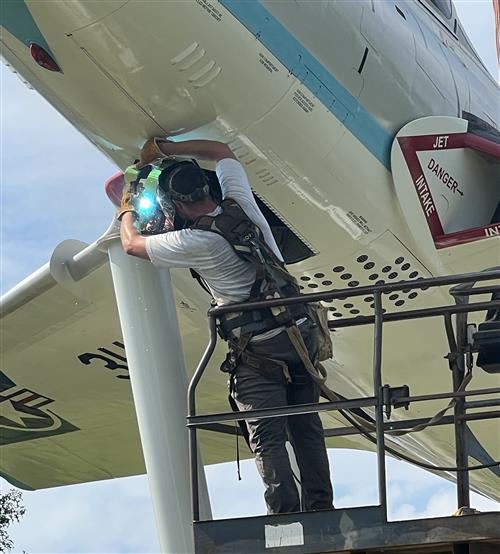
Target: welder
[(272, 352)]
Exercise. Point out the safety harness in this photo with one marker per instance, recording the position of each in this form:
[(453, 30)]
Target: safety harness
[(272, 281)]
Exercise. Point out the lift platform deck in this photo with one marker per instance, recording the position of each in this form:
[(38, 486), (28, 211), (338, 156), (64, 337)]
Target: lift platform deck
[(367, 529), (357, 530)]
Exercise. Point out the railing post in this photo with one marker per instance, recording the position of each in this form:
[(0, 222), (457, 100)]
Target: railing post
[(456, 360), (462, 454), (191, 409), (456, 363), (379, 408)]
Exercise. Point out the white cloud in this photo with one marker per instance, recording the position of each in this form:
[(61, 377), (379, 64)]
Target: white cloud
[(92, 518), (52, 182), (441, 503), (105, 517), (478, 19)]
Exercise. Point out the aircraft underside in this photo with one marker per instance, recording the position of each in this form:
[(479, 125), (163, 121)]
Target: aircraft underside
[(316, 156)]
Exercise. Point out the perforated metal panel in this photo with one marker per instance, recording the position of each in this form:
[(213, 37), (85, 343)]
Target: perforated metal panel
[(385, 260)]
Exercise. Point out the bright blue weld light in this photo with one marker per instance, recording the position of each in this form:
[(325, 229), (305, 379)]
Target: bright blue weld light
[(147, 204)]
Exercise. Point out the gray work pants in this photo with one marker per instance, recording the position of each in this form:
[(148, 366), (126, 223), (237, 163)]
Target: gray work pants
[(251, 390)]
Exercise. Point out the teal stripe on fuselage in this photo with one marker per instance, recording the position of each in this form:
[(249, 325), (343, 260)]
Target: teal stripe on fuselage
[(314, 76), (17, 19)]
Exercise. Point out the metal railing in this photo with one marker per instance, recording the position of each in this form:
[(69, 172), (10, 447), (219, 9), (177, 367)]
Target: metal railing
[(381, 398)]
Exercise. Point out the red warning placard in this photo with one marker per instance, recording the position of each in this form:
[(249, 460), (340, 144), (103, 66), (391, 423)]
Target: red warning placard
[(449, 178)]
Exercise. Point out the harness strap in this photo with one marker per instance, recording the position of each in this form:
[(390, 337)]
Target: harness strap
[(272, 280), (318, 374), (274, 370), (238, 346), (201, 282), (315, 370)]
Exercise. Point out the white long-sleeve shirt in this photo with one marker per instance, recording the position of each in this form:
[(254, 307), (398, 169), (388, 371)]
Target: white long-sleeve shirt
[(229, 277)]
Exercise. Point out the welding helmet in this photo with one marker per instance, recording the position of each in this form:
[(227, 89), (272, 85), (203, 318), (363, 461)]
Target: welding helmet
[(182, 181), (143, 183)]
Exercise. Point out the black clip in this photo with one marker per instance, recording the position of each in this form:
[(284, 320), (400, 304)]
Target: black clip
[(390, 396)]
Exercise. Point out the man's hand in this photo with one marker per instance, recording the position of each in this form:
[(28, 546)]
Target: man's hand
[(151, 152), (133, 243), (126, 203), (130, 178)]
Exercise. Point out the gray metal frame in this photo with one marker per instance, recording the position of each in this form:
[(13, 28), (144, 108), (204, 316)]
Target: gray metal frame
[(351, 530), (459, 358)]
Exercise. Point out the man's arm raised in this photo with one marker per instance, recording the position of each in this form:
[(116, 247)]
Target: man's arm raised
[(133, 243), (210, 150), (154, 148)]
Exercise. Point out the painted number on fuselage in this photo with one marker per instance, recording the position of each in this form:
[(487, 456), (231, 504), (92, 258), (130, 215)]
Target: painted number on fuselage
[(112, 360)]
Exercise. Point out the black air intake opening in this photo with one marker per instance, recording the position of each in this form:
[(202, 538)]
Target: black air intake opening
[(291, 246)]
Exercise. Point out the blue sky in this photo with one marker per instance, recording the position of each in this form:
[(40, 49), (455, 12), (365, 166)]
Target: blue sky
[(42, 158)]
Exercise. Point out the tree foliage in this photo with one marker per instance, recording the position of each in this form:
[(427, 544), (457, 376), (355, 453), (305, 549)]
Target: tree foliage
[(11, 510)]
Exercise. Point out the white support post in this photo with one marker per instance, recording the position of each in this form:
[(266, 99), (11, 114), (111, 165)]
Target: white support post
[(152, 340)]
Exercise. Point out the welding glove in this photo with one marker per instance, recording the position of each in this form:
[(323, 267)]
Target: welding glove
[(151, 152), (126, 205)]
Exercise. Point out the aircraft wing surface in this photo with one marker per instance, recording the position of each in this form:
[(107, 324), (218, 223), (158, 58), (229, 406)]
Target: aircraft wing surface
[(66, 408)]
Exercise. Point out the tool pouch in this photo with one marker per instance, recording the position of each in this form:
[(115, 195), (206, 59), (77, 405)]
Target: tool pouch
[(318, 314)]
